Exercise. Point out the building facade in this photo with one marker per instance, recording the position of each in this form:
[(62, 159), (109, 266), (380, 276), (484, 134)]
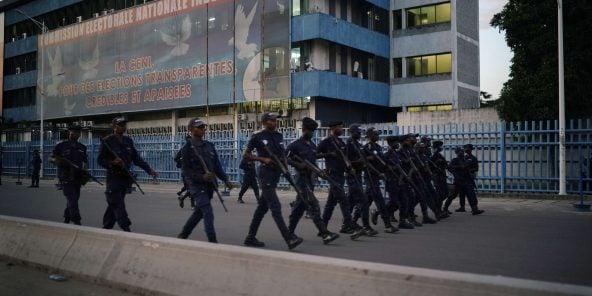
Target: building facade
[(160, 62)]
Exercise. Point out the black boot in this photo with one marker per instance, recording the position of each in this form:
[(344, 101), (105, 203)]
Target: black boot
[(329, 237), (212, 239), (251, 241), (404, 224), (294, 242), (476, 212), (374, 216)]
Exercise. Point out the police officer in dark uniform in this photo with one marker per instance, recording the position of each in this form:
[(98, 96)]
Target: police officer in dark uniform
[(305, 149), (336, 169), (265, 142), (473, 167), (407, 155), (118, 180), (461, 170), (249, 179), (201, 181), (397, 186), (36, 165), (184, 192), (440, 166), (430, 191), (373, 175), (71, 178), (356, 195)]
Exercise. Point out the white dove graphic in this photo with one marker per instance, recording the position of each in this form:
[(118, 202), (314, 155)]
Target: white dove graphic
[(68, 107), (242, 25), (178, 40), (89, 66), (56, 66), (281, 7)]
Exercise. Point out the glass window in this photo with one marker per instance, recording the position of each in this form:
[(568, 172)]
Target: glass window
[(296, 7), (444, 63), (414, 66), (428, 15), (443, 12), (397, 20), (413, 17), (428, 64), (398, 67)]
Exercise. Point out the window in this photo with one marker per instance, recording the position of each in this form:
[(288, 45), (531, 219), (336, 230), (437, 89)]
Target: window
[(398, 67), (296, 7), (445, 107), (431, 14), (397, 20), (428, 65)]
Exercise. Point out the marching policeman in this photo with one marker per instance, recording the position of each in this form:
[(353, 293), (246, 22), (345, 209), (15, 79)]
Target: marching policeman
[(440, 166), (298, 151), (201, 180), (249, 179), (268, 143), (373, 176), (36, 164), (72, 178), (356, 193), (461, 170), (332, 148), (117, 159), (473, 167), (397, 185)]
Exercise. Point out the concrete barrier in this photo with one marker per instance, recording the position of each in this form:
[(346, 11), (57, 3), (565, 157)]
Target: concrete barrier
[(167, 266)]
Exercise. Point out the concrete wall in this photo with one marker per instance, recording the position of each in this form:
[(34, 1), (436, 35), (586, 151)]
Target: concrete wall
[(421, 93), (159, 265), (422, 44), (467, 116)]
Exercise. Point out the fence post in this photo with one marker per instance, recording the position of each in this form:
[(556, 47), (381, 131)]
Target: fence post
[(503, 156)]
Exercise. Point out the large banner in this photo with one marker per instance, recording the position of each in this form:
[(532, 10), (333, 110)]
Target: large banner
[(167, 54)]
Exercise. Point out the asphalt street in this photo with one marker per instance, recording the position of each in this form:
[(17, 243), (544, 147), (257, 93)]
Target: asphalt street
[(532, 239)]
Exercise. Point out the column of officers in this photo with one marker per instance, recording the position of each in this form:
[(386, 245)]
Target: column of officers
[(414, 173)]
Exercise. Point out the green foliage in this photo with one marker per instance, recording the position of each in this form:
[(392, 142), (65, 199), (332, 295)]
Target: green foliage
[(532, 91)]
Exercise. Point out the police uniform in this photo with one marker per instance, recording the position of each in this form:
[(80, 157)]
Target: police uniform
[(118, 181), (201, 190), (373, 151), (406, 154), (397, 187), (269, 176), (249, 179), (440, 165), (473, 167), (462, 179), (36, 166), (71, 178), (305, 149), (428, 176), (336, 169), (356, 194)]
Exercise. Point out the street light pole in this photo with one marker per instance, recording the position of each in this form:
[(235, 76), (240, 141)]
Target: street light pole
[(562, 177), (40, 25)]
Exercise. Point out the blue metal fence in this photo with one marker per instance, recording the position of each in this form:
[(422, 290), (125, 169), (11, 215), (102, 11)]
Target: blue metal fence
[(513, 157)]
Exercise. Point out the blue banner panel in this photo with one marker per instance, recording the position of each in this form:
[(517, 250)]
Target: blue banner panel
[(165, 54)]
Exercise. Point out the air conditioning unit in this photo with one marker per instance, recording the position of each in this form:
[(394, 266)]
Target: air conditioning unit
[(18, 70), (24, 35), (96, 14), (243, 117), (13, 39), (111, 10), (105, 12), (79, 19)]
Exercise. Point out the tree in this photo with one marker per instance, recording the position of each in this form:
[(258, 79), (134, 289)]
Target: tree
[(486, 100), (531, 33)]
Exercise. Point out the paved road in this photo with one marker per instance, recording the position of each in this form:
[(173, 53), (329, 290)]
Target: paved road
[(533, 239)]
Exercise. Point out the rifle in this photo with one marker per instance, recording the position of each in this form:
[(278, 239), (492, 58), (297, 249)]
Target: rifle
[(402, 173), (207, 170), (315, 169), (124, 168), (367, 166), (349, 166), (414, 168), (285, 172), (71, 164)]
